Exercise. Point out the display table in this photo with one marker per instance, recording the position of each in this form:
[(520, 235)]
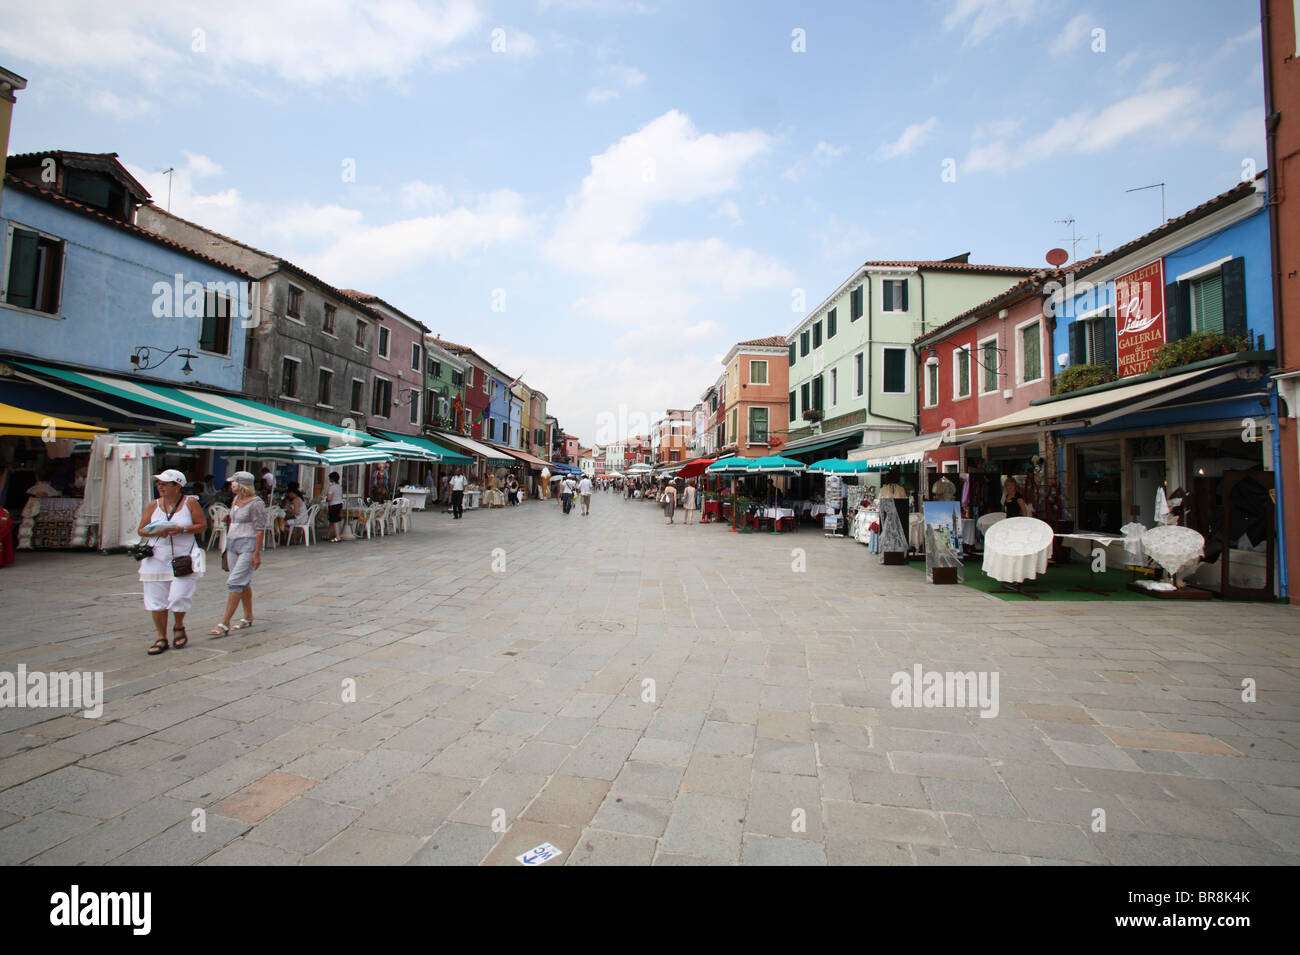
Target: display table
[(1016, 550), (1105, 540), (47, 522), (471, 499), (1175, 549), (416, 496)]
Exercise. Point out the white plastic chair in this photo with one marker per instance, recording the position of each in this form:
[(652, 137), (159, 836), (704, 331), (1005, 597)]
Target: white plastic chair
[(308, 527), (385, 518), (217, 514), (370, 519), (402, 515), (273, 514)]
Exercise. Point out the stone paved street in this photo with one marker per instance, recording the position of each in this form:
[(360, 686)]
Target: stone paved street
[(498, 711)]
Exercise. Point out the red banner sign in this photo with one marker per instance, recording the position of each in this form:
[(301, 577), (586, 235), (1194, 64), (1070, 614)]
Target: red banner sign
[(1139, 317)]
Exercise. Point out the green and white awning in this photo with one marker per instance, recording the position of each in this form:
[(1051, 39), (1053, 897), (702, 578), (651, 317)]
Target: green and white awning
[(338, 456), (244, 439)]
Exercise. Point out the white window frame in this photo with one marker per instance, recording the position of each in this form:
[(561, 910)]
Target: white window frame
[(297, 377), (766, 377), (907, 369), (1203, 270), (229, 316), (833, 388), (302, 298), (388, 405), (1020, 352), (492, 428), (956, 379), (860, 359), (416, 353), (932, 395), (362, 383), (383, 339), (319, 403), (63, 268), (749, 423), (902, 280), (997, 378)]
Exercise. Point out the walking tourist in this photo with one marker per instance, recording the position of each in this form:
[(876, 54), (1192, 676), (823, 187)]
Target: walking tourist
[(584, 492), (669, 499), (566, 494), (244, 551), (457, 484), (171, 572), (334, 498), (688, 501)]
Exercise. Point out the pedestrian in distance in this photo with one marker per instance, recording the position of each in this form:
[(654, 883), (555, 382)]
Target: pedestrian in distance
[(669, 499), (584, 493), (688, 501), (457, 485), (243, 553), (171, 571), (334, 498)]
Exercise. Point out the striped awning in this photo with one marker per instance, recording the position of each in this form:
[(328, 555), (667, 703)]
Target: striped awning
[(336, 456), (244, 439), (406, 451), (910, 451)]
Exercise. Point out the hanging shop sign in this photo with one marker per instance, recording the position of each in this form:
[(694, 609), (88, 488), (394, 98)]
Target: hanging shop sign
[(1139, 317)]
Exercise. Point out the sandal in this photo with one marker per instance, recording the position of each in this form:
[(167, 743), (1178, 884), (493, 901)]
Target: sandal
[(220, 630), (243, 624), (160, 646), (180, 638)]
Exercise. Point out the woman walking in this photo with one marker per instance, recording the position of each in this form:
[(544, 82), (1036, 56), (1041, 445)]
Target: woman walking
[(688, 500), (670, 501), (243, 552), (170, 574)]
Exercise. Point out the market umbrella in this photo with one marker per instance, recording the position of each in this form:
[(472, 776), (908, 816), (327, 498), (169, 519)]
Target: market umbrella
[(404, 449), (354, 455), (244, 439), (695, 468), (296, 455), (775, 464), (732, 465), (838, 466)]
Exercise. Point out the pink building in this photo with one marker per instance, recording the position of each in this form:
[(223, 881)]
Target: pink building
[(397, 368)]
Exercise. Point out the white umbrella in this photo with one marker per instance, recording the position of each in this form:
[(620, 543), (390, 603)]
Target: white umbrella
[(345, 455), (244, 439)]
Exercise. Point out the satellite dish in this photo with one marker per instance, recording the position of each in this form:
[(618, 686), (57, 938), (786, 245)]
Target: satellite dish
[(1057, 257)]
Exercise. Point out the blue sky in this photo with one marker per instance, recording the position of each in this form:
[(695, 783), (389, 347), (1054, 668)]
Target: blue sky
[(644, 182)]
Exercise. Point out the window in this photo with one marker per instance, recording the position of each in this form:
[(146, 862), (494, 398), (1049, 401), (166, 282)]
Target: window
[(505, 432), (435, 369), (895, 361), (358, 395), (289, 378), (757, 372), (325, 388), (457, 379), (758, 426), (327, 324), (483, 375), (931, 383), (792, 359), (895, 295), (794, 410), (383, 342), (1031, 351), (361, 334), (803, 343), (961, 372), (855, 304), (804, 393), (492, 429), (859, 375), (214, 332), (817, 334), (415, 356), (415, 407), (835, 387), (381, 397), (1206, 297), (294, 309), (435, 404), (818, 395), (35, 271), (87, 188), (830, 324), (989, 359)]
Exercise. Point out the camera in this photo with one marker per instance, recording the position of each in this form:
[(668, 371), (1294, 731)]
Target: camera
[(140, 550)]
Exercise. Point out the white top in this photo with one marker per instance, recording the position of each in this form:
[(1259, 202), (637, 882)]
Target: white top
[(585, 486), (334, 494), (159, 566), (269, 478), (458, 482)]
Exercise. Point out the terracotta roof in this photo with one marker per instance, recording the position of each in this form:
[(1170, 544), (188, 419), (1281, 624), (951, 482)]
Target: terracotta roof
[(947, 265), (13, 181), (773, 341), (1238, 192), (366, 298), (108, 161)]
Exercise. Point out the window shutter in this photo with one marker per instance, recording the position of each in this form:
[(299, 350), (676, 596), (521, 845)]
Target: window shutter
[(817, 393), (903, 287), (1234, 297), (1178, 312), (1078, 343), (792, 353), (887, 290), (792, 406), (804, 396), (1109, 357), (22, 269)]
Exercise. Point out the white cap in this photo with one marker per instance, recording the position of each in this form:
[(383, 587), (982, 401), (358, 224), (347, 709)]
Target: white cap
[(171, 475)]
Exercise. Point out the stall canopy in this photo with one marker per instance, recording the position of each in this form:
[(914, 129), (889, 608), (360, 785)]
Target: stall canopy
[(448, 456), (801, 451), (910, 451), (528, 459), (489, 454), (21, 423)]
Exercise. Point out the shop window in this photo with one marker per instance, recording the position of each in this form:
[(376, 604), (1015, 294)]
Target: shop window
[(35, 271), (895, 361), (1098, 488)]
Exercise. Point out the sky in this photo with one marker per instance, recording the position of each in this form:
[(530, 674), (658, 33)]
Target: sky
[(603, 196)]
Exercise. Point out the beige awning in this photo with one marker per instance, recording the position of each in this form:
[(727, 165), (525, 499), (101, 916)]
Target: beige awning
[(898, 452), (1074, 408)]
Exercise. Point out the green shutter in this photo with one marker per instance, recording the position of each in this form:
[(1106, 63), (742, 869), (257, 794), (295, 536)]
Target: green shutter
[(793, 410), (830, 324), (855, 304), (22, 269), (895, 371), (887, 290), (792, 353), (904, 285), (803, 395), (990, 362), (963, 373), (1207, 303), (208, 329), (1031, 345), (817, 393), (1234, 296)]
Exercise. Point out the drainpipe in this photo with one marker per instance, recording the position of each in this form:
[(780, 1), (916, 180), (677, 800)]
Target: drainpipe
[(1283, 583)]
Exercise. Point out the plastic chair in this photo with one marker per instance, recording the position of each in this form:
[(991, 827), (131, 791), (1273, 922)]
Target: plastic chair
[(369, 519), (403, 515), (308, 527), (273, 514), (217, 514)]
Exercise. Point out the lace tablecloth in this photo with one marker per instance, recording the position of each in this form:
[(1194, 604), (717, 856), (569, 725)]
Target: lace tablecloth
[(777, 513), (1016, 549), (1175, 549)]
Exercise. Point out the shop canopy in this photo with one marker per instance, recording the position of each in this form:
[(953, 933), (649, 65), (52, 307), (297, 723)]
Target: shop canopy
[(1078, 410), (406, 451), (205, 409), (730, 465), (800, 451), (839, 466), (487, 453), (528, 459), (21, 423), (911, 451), (446, 456)]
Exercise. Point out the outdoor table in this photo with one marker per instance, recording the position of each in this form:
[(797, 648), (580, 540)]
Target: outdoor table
[(776, 515), (1016, 550), (418, 496), (711, 511), (471, 500), (1105, 540)]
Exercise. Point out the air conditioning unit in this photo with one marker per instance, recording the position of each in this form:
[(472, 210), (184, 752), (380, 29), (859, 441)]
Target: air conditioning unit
[(1007, 392)]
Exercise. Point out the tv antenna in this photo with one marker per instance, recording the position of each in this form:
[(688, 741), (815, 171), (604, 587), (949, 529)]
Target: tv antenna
[(1154, 185), (168, 173), (1074, 239)]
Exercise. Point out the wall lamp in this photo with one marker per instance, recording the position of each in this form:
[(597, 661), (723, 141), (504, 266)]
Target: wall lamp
[(143, 358)]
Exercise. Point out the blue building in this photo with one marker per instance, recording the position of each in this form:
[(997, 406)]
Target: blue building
[(1203, 430), (498, 427)]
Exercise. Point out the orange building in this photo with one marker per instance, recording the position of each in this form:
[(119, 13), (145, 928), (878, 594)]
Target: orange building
[(757, 381)]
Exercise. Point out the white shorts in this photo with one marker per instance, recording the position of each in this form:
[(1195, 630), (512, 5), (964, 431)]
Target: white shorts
[(174, 595)]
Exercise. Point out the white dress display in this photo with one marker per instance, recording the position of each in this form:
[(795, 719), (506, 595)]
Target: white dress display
[(1017, 549)]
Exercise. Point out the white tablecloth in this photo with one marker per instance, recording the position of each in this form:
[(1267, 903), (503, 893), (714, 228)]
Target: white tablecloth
[(1175, 549), (1017, 549), (777, 513)]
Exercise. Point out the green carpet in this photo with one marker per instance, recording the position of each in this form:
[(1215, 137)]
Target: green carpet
[(1055, 583)]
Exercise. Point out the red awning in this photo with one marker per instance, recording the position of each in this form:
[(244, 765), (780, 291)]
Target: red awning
[(694, 468)]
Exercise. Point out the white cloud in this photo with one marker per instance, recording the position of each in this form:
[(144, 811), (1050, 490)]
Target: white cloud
[(629, 76), (797, 171), (979, 19), (912, 137), (302, 41), (1075, 32), (418, 194), (105, 101), (729, 211), (517, 44), (601, 95), (626, 77), (825, 150)]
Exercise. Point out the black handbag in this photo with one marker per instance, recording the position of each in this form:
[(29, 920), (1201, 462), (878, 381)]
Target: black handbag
[(182, 566)]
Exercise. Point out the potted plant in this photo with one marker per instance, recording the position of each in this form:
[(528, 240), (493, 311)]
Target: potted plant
[(813, 415)]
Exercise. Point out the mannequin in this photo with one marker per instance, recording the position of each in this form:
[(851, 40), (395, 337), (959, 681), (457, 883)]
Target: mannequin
[(943, 489)]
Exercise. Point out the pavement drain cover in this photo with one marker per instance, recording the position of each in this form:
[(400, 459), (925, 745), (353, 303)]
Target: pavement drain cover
[(608, 626)]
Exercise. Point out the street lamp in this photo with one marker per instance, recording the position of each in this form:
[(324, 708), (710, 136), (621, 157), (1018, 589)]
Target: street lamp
[(143, 358)]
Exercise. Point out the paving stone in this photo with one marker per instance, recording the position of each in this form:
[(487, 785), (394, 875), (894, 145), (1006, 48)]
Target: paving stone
[(847, 820), (526, 835), (29, 837), (602, 753), (242, 852), (303, 826), (966, 796), (259, 799), (118, 835), (783, 756), (718, 775), (705, 825), (648, 779), (766, 850), (1041, 839), (181, 845), (357, 845), (888, 789), (595, 847), (456, 844), (569, 801)]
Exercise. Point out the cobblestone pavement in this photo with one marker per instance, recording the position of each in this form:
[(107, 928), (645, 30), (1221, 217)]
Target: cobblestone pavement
[(498, 711)]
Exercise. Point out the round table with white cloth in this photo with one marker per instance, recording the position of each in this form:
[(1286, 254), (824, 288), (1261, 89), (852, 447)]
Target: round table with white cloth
[(777, 513), (1176, 549), (1016, 549)]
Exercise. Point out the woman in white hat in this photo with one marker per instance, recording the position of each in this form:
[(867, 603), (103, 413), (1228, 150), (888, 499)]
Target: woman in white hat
[(170, 575), (243, 551)]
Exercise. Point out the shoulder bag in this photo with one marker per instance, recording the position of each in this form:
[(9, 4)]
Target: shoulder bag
[(182, 566)]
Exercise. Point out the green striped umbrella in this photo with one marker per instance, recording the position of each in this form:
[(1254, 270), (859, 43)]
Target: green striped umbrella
[(244, 439), (402, 449), (345, 455), (295, 455), (731, 465)]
